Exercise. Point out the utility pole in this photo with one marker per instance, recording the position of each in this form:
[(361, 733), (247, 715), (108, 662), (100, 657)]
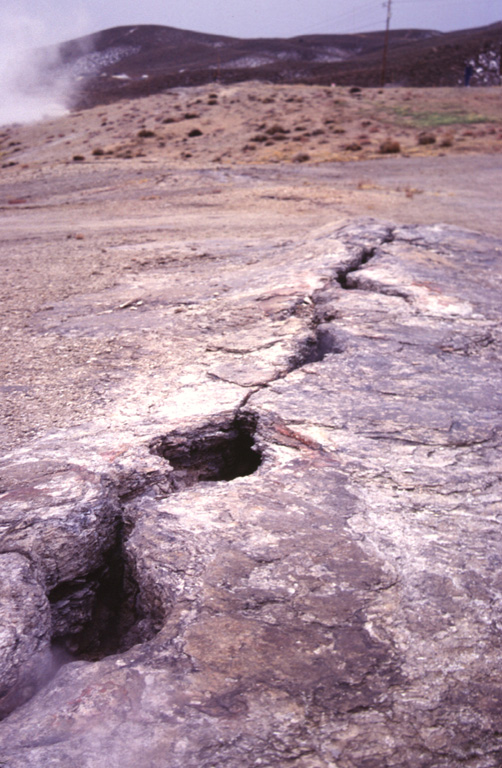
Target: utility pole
[(386, 44)]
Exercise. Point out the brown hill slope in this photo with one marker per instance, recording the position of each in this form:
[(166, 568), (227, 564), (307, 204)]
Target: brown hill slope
[(134, 61)]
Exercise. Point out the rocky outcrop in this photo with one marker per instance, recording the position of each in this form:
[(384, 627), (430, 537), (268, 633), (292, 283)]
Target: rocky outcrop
[(295, 560)]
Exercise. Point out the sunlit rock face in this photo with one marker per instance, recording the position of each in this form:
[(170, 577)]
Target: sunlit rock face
[(294, 559)]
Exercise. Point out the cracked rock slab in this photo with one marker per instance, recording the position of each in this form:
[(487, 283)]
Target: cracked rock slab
[(302, 567)]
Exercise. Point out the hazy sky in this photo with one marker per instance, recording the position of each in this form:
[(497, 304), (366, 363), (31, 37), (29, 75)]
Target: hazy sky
[(56, 20)]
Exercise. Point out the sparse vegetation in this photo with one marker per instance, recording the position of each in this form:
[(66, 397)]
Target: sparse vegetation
[(375, 124), (446, 115), (447, 140), (390, 147), (426, 138), (276, 130)]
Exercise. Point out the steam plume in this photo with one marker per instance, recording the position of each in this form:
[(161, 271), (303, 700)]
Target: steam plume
[(33, 85)]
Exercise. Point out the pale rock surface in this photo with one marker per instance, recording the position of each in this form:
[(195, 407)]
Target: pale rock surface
[(290, 555)]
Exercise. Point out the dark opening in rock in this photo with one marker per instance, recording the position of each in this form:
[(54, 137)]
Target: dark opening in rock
[(343, 275), (99, 614), (213, 452), (325, 341)]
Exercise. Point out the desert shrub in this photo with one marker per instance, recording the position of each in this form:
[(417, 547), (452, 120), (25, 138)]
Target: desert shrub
[(447, 140), (353, 147), (78, 158), (426, 138), (259, 138), (190, 116), (195, 132), (301, 157), (146, 134), (276, 130), (389, 147), (98, 152), (168, 120)]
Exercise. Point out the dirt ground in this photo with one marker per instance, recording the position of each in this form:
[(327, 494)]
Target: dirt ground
[(101, 206)]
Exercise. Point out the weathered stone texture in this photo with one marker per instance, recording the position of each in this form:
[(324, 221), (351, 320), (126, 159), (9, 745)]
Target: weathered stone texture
[(295, 559)]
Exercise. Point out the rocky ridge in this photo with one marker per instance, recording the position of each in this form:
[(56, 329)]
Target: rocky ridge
[(290, 555)]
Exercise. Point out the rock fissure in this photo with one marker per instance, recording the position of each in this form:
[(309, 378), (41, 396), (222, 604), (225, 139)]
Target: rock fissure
[(325, 339), (215, 452), (342, 275), (99, 614), (333, 519)]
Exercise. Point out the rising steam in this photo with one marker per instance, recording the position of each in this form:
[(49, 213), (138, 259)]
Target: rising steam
[(33, 84)]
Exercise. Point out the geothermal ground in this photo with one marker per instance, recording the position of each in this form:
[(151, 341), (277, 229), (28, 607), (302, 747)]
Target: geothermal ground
[(251, 435), (97, 205)]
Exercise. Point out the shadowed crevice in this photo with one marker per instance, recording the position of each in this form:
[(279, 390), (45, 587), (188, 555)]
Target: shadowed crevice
[(100, 613), (220, 452)]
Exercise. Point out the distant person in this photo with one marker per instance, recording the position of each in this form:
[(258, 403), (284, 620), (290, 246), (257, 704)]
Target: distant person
[(468, 73)]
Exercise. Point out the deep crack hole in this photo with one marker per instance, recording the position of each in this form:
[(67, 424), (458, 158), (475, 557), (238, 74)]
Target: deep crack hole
[(342, 276), (102, 612), (99, 614), (211, 453)]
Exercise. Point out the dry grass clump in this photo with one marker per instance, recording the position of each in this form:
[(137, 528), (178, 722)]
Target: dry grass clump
[(301, 157), (353, 147), (447, 140), (195, 132), (146, 134), (276, 131), (390, 147), (425, 138), (78, 158)]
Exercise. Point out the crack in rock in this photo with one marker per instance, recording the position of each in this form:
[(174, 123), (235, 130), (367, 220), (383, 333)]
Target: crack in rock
[(101, 610), (284, 576), (214, 452)]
